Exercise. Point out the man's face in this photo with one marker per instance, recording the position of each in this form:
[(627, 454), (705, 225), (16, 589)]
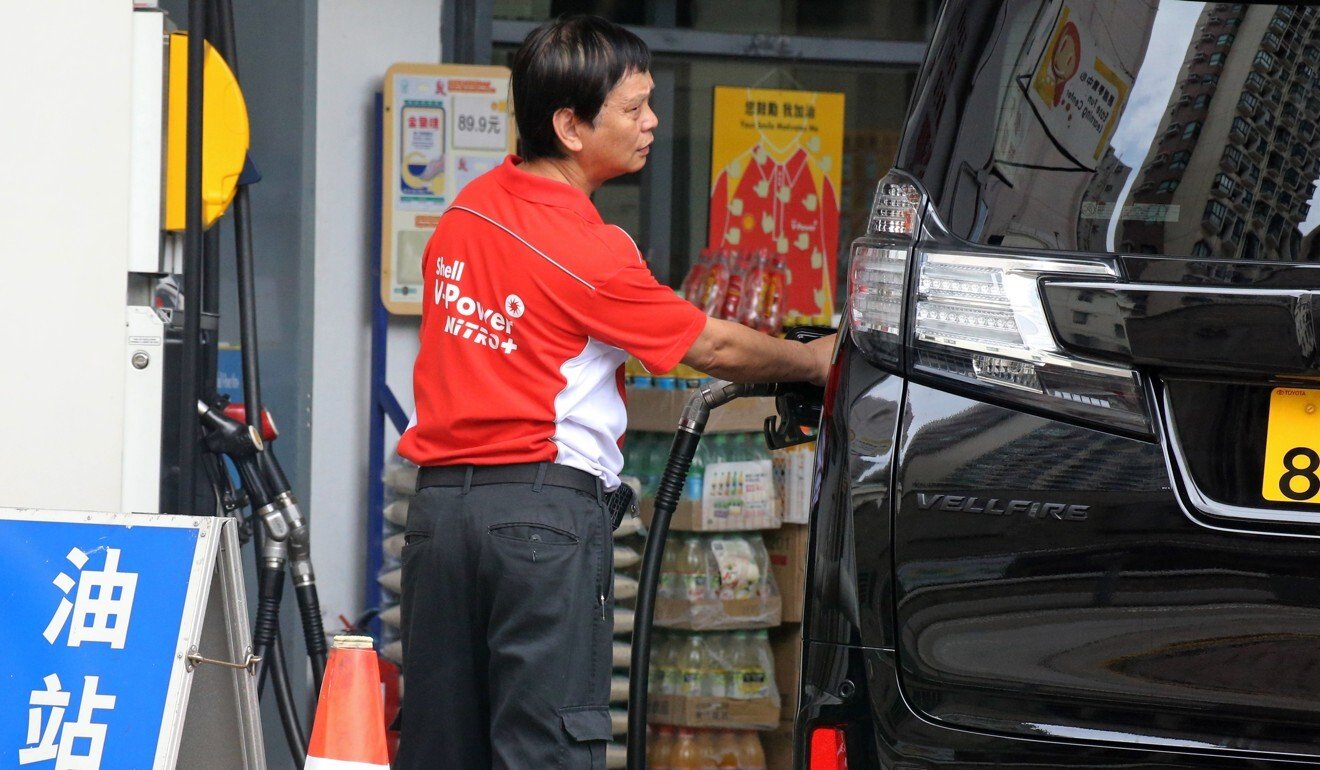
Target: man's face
[(619, 140)]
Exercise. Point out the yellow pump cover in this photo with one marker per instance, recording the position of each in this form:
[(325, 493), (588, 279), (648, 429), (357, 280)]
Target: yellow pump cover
[(225, 135)]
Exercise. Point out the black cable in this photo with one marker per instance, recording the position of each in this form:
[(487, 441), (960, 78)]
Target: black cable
[(293, 734)]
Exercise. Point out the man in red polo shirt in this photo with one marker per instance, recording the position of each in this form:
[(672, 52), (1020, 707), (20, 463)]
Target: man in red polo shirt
[(531, 305)]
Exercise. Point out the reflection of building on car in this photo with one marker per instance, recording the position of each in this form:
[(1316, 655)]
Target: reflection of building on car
[(1069, 490), (1237, 145)]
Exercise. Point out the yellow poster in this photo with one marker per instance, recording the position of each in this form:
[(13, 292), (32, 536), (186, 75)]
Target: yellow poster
[(776, 160), (1078, 95)]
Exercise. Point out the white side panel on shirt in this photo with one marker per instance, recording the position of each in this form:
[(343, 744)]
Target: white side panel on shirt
[(590, 415)]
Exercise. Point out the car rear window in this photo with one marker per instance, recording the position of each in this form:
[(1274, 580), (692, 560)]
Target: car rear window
[(1135, 126)]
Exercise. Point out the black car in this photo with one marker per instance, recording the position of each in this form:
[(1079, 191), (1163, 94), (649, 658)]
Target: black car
[(1068, 498)]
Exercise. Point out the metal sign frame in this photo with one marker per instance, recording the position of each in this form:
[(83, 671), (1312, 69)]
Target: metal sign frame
[(214, 572)]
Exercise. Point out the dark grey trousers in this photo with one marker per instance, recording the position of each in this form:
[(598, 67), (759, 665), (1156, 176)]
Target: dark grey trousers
[(507, 627)]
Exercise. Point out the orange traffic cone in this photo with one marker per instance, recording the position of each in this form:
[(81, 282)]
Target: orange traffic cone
[(349, 731)]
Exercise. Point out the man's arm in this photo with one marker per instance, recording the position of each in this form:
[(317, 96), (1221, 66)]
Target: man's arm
[(731, 351)]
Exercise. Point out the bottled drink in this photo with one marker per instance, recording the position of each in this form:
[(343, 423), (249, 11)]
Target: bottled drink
[(686, 755), (739, 267), (719, 448), (692, 283), (716, 683), (775, 291), (728, 750), (761, 589), (765, 659), (658, 459), (694, 567), (749, 669), (659, 747), (690, 667), (751, 756), (637, 447), (714, 285), (671, 582), (665, 666), (696, 474), (751, 304), (706, 745)]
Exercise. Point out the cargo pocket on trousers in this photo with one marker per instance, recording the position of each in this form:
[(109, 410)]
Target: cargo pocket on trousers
[(588, 729)]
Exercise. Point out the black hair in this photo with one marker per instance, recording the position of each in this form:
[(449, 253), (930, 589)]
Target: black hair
[(572, 62)]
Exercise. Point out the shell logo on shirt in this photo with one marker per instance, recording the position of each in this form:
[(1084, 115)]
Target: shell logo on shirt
[(467, 318)]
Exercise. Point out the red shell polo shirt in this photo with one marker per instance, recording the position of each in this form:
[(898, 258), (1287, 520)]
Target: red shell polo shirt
[(531, 304)]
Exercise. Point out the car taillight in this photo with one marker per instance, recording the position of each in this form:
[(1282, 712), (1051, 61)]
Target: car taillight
[(877, 273), (828, 750), (977, 317)]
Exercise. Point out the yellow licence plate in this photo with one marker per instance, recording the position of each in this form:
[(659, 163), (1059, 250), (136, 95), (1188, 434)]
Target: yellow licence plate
[(1292, 447)]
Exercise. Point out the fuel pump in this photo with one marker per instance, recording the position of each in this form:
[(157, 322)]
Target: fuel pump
[(799, 408)]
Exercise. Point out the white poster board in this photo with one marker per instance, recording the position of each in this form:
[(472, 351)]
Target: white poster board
[(444, 125)]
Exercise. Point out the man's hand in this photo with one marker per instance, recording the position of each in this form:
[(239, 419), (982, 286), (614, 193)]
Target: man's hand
[(822, 350), (733, 352)]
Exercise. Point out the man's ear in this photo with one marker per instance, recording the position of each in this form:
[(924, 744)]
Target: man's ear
[(566, 128)]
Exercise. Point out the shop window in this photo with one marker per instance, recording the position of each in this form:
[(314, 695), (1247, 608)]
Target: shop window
[(813, 18)]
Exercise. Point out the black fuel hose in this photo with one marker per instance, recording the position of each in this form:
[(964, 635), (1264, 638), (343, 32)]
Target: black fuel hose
[(272, 655), (277, 484), (690, 428)]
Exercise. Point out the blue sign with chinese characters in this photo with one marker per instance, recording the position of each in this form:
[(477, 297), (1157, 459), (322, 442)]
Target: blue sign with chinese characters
[(95, 605)]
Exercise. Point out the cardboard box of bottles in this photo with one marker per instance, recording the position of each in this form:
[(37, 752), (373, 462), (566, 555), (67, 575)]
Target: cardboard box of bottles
[(728, 615), (653, 409), (688, 518), (786, 648), (718, 713), (794, 469), (788, 562)]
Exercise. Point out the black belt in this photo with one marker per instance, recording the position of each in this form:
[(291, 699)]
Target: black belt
[(521, 473)]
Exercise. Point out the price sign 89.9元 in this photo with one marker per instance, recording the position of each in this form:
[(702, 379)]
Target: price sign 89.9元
[(480, 123)]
